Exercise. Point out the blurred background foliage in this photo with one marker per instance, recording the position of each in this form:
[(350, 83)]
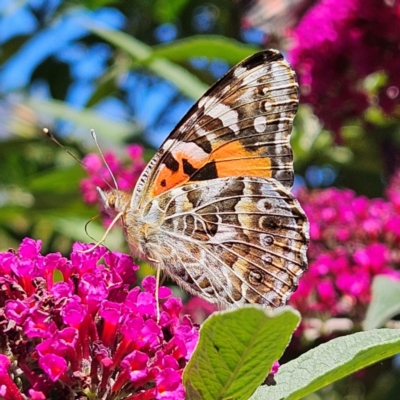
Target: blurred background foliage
[(130, 70)]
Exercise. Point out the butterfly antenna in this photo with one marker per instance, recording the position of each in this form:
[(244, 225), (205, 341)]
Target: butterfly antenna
[(93, 133), (54, 139)]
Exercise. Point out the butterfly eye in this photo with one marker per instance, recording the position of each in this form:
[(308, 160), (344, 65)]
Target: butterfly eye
[(111, 202)]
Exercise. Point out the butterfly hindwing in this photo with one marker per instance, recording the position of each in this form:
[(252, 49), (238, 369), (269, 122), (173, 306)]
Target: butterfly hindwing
[(240, 127), (230, 240)]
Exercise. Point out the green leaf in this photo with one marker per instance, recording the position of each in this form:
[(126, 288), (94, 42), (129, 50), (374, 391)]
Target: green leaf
[(210, 46), (329, 362), (107, 85), (57, 180), (167, 11), (12, 46), (186, 82), (236, 351), (90, 119), (385, 302)]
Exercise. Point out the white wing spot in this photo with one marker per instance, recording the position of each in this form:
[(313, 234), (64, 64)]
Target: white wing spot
[(206, 101), (268, 106), (223, 237), (266, 258), (260, 123), (200, 132), (283, 276), (270, 297), (278, 70), (256, 74), (239, 71), (225, 90), (228, 117), (196, 152)]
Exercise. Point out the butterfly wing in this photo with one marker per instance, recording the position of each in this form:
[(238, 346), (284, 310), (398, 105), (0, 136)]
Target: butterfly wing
[(228, 240), (213, 208), (274, 16), (240, 127)]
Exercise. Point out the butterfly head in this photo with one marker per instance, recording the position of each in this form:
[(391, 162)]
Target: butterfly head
[(117, 204), (114, 201)]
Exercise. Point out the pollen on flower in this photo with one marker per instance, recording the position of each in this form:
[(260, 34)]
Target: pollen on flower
[(91, 334)]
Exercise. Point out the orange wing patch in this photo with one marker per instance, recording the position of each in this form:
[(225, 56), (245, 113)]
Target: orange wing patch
[(233, 159), (189, 162), (179, 165)]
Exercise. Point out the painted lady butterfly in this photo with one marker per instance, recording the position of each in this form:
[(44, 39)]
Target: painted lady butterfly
[(213, 208), (274, 16)]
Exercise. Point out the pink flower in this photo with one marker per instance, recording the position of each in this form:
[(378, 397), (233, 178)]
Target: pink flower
[(89, 331), (275, 368), (125, 173), (8, 389), (353, 239), (34, 395), (53, 365), (136, 365), (336, 46), (169, 385)]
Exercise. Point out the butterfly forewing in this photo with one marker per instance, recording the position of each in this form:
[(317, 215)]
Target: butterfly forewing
[(240, 127)]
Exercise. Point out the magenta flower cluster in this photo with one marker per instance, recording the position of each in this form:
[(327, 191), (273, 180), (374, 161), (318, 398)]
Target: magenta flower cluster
[(353, 239), (339, 43), (125, 173), (73, 328)]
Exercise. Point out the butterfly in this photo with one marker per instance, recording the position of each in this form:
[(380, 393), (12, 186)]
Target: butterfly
[(213, 208), (274, 16)]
